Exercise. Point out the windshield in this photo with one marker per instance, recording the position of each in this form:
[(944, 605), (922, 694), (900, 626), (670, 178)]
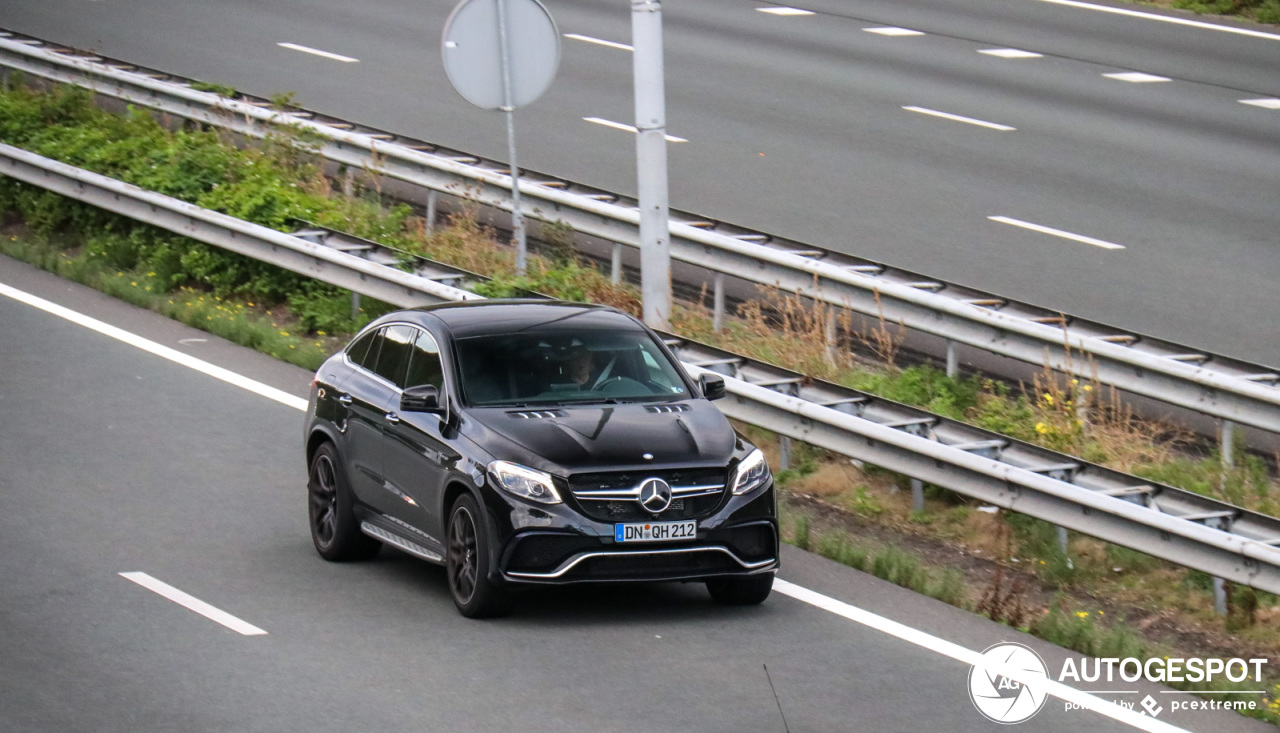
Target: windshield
[(521, 369)]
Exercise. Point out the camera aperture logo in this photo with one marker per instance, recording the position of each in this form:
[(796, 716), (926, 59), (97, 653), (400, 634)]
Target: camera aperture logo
[(1002, 699)]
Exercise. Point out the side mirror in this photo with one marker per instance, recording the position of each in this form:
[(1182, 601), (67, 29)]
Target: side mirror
[(423, 398), (712, 386)]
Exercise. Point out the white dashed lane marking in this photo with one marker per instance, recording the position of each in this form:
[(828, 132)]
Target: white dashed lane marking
[(893, 31), (318, 52), (628, 128), (1266, 103), (598, 41), (958, 118), (784, 10), (1011, 53), (1056, 232), (1136, 77), (192, 603)]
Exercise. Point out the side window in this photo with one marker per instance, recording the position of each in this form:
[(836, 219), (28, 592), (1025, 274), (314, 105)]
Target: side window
[(364, 352), (424, 364), (393, 359)]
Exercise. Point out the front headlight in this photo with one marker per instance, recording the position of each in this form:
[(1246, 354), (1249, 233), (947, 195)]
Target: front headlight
[(752, 473), (524, 482)]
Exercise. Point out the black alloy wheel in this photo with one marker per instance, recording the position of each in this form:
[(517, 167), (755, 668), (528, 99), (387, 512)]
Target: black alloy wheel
[(467, 563), (334, 528)]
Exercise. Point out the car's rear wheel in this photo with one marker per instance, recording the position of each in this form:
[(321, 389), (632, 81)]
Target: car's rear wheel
[(334, 528), (745, 591), (468, 563)]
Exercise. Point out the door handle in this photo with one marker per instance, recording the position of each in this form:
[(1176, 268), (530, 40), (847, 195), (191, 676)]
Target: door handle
[(345, 399), (393, 418)]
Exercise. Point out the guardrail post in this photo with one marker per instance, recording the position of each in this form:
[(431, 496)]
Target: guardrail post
[(615, 264), (953, 365), (349, 183), (717, 319), (917, 495), (431, 210), (784, 452), (1219, 585), (1226, 444), (829, 334)]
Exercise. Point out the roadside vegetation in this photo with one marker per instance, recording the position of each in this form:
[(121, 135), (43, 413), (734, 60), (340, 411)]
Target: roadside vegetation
[(1262, 11), (1009, 568)]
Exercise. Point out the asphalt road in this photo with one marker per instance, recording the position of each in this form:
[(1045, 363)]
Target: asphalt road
[(796, 125), (115, 460)]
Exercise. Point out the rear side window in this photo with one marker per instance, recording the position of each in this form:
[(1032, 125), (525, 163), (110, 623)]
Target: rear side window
[(393, 359), (424, 364), (364, 352)]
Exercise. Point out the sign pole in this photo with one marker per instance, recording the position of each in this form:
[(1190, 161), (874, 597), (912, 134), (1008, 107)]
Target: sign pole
[(508, 108), (651, 161)]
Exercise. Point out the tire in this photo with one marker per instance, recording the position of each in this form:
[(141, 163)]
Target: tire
[(745, 591), (468, 562), (334, 528)]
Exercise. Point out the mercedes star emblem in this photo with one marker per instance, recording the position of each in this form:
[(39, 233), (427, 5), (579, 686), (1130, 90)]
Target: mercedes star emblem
[(655, 495)]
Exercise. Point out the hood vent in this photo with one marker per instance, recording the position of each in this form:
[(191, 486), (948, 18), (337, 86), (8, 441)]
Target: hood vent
[(536, 414), (662, 409)]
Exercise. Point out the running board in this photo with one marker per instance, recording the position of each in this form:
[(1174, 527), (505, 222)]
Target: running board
[(400, 543)]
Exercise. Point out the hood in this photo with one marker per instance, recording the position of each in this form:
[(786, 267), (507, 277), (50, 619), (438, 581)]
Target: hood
[(608, 437)]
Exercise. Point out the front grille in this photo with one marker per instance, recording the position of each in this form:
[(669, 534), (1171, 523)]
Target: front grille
[(654, 566), (627, 479), (629, 510)]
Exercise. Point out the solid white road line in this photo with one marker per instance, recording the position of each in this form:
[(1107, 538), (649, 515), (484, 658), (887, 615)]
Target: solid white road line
[(628, 128), (1011, 53), (800, 593), (598, 41), (1136, 77), (1267, 103), (783, 10), (1166, 19), (195, 604), (1056, 232), (958, 118), (893, 31), (318, 52), (160, 350), (971, 657)]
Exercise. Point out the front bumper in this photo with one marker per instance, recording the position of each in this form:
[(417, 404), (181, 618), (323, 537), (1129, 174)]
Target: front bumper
[(740, 539)]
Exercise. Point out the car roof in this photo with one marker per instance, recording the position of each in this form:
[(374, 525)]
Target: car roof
[(487, 317)]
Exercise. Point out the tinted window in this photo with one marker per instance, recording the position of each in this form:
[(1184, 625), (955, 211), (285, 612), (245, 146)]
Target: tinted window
[(566, 368), (424, 363), (361, 353), (393, 359)]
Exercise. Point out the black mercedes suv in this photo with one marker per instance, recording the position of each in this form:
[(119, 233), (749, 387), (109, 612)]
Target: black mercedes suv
[(534, 442)]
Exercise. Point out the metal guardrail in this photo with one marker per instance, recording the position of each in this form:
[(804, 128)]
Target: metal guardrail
[(1230, 389), (1179, 526)]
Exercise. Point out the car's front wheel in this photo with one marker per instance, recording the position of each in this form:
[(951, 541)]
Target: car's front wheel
[(745, 591), (468, 562), (334, 528)]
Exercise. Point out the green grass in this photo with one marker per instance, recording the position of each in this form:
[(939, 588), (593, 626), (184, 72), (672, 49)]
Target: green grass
[(236, 320)]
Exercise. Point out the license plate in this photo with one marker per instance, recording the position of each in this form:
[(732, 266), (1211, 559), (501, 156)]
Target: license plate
[(655, 531)]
